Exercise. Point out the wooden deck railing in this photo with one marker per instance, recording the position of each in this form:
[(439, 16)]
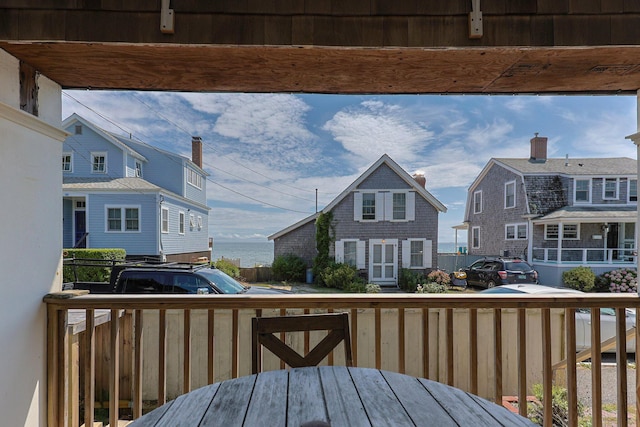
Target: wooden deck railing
[(151, 348)]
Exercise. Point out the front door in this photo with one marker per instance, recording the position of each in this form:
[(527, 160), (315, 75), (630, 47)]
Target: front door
[(80, 226), (383, 261)]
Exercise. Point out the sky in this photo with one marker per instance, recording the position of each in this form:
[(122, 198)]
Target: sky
[(270, 155)]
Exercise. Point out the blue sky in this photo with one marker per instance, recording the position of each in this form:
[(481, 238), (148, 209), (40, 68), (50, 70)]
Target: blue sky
[(268, 153)]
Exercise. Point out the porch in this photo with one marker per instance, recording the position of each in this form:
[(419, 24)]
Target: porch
[(162, 347)]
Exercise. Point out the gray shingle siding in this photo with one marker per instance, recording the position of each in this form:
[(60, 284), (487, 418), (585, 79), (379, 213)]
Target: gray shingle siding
[(494, 216), (300, 242), (546, 193)]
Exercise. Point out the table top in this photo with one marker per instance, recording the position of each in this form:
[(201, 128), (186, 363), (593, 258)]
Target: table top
[(336, 395)]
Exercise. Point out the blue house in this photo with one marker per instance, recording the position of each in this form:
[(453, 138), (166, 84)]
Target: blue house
[(121, 193)]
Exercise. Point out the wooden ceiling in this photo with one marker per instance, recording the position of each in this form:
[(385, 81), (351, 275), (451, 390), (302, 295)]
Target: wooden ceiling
[(331, 46)]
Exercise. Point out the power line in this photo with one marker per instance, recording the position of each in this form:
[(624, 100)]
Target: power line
[(207, 178)]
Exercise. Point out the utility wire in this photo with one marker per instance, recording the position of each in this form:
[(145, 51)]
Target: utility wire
[(175, 160)]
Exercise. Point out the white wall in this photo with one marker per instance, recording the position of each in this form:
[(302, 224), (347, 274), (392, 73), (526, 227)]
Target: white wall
[(30, 252)]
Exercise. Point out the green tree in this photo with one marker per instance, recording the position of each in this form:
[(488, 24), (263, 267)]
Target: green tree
[(324, 238)]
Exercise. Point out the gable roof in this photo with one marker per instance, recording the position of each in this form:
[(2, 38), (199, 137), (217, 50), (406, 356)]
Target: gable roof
[(385, 159), (105, 134)]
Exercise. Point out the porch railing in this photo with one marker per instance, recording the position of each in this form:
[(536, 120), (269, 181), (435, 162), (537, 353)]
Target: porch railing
[(586, 255), (126, 351)]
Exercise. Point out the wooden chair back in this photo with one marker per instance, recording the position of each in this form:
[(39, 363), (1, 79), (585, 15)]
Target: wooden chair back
[(264, 328)]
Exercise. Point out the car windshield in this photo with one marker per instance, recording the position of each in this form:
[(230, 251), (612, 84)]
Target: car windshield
[(226, 284), (517, 266)]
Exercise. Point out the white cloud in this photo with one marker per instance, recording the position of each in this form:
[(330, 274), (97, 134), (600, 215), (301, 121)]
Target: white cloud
[(374, 128)]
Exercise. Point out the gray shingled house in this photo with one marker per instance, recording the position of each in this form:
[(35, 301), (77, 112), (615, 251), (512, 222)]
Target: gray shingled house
[(557, 213), (384, 220)]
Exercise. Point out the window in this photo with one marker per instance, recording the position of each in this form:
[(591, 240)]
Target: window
[(114, 219), (399, 205), (569, 232), (515, 231), (138, 169), (192, 221), (123, 219), (350, 253), (165, 220), (199, 222), (477, 202), (181, 222), (583, 190), (67, 162), (521, 231), (132, 219), (369, 206), (633, 190), (78, 130), (194, 178), (417, 253), (610, 189), (510, 195), (551, 231), (475, 237), (99, 162)]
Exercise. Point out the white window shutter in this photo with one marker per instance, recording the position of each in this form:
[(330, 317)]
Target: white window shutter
[(406, 254), (380, 206), (426, 253), (388, 206), (360, 255), (357, 206), (411, 206), (339, 251)]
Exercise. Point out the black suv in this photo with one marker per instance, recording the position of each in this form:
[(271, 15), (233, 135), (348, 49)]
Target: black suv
[(178, 279), (490, 272)]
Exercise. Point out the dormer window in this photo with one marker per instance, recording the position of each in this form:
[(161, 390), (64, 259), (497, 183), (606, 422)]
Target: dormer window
[(610, 189), (583, 191), (633, 190), (138, 169)]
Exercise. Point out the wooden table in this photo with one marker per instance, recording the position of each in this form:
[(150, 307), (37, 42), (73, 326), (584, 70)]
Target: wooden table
[(336, 395)]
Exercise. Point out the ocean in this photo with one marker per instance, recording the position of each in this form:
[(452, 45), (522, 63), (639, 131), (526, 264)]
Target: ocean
[(252, 254)]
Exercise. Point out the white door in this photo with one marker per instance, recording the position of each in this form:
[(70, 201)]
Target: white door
[(383, 261)]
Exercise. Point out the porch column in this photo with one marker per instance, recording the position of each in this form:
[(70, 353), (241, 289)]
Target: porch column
[(560, 234), (636, 140)]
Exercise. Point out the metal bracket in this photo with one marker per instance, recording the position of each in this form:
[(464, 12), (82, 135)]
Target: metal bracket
[(475, 20), (166, 18)]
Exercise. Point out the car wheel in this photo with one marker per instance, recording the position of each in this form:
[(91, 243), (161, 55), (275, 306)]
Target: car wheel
[(491, 284)]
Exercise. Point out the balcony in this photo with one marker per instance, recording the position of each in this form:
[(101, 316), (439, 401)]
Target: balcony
[(125, 353), (586, 256)]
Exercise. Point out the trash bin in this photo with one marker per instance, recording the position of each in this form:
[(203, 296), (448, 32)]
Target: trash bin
[(309, 275)]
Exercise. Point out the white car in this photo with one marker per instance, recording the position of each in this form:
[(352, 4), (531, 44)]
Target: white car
[(583, 315)]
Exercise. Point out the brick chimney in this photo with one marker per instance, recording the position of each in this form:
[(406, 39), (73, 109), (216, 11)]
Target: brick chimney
[(538, 149), (419, 177), (196, 150)]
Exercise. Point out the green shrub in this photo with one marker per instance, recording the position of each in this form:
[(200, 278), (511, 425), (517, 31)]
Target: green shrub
[(580, 278), (290, 268), (96, 273), (431, 288), (228, 267), (409, 279), (560, 403), (372, 288), (324, 240), (356, 288), (340, 276)]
